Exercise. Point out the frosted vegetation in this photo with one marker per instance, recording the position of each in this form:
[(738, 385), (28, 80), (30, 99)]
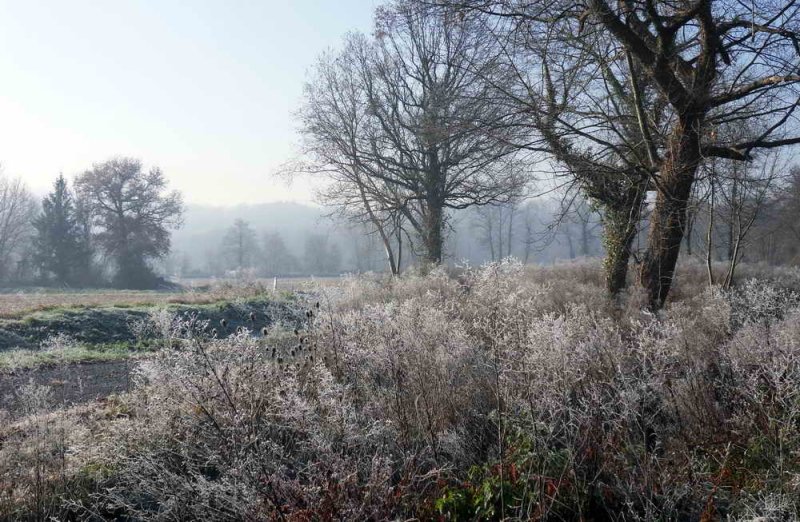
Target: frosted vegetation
[(500, 392)]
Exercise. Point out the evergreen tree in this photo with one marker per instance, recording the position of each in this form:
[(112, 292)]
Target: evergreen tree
[(60, 249)]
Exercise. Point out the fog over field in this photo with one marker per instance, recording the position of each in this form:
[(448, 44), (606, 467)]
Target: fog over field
[(197, 245)]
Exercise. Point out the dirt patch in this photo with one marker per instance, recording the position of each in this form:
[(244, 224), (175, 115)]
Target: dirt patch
[(69, 384)]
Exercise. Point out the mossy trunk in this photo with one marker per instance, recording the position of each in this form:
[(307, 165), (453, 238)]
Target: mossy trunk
[(620, 224)]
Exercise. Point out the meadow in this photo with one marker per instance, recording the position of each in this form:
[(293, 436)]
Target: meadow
[(501, 392)]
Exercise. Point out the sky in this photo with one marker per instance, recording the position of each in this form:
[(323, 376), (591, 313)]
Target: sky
[(206, 90)]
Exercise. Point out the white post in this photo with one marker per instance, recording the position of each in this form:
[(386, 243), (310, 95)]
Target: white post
[(275, 284)]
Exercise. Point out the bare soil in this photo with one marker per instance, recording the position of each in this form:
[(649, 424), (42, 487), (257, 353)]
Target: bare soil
[(70, 384)]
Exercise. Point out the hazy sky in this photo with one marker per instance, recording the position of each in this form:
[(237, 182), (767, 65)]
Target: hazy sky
[(204, 89)]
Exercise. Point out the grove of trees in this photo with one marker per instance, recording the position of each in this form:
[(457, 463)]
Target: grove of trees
[(111, 227), (638, 106), (661, 127)]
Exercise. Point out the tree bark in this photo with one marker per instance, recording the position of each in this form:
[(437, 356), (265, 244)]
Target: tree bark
[(668, 220), (619, 230), (432, 236)]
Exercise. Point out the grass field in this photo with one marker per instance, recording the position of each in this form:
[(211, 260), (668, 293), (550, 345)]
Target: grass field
[(77, 341), (18, 303)]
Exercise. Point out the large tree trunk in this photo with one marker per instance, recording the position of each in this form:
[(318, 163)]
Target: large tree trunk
[(668, 220), (432, 235), (433, 220)]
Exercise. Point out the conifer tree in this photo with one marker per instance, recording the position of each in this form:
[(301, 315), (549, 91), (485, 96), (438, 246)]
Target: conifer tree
[(61, 252)]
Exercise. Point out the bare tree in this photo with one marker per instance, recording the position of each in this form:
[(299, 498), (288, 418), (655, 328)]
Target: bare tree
[(335, 117), (276, 259), (240, 246), (744, 190), (530, 225), (579, 217), (714, 66), (131, 215), (321, 255), (495, 227), (418, 132), (585, 107), (717, 64), (779, 232), (17, 209)]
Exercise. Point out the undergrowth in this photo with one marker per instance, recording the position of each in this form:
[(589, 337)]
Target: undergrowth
[(502, 392)]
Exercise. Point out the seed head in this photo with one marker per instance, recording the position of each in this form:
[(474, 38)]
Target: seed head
[(252, 317), (264, 331), (223, 322)]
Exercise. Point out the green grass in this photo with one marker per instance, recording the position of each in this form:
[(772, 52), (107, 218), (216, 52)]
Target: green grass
[(26, 359), (106, 337)]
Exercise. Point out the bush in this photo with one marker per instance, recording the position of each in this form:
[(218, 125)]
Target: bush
[(505, 392)]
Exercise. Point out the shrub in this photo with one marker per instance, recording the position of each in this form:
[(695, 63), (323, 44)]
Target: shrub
[(505, 392)]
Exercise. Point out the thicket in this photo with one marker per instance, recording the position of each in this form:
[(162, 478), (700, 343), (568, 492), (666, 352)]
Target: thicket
[(499, 392)]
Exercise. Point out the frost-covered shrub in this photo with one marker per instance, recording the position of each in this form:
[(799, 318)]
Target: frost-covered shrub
[(503, 391), (762, 301), (57, 343), (222, 429)]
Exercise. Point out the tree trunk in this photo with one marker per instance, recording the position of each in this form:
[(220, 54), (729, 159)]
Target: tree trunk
[(571, 246), (399, 232), (619, 230), (387, 244), (499, 234), (432, 236), (734, 211), (585, 237), (690, 217), (510, 229), (668, 221), (709, 238)]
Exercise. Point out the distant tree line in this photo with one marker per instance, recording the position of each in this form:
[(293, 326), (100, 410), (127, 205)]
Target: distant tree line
[(109, 228), (243, 252)]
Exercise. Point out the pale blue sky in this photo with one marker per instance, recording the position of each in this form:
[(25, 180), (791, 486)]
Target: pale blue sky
[(204, 89)]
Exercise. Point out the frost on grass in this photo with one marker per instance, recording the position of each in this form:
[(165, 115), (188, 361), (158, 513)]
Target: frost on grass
[(498, 392)]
